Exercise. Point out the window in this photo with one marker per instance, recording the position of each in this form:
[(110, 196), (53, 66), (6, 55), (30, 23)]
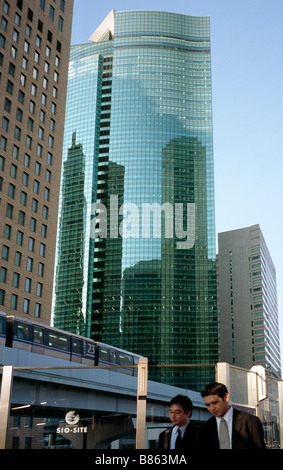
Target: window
[(25, 63), (19, 115), (51, 13), (17, 19), (31, 244), (9, 87), (18, 258), (37, 57), (39, 289), (17, 133), (26, 46), (5, 124), (60, 23), (28, 285), (12, 190), (7, 231), (29, 264), (7, 106), (9, 211), (37, 310), (26, 310), (47, 194), (38, 168), (42, 250), (2, 297), (41, 133), (3, 275), (28, 30), (42, 4), (14, 301), (27, 160), (16, 280), (36, 186), (48, 176), (35, 73), (5, 253), (33, 89), (32, 106), (45, 212), (12, 69), (16, 35), (20, 238), (6, 7), (14, 52), (22, 216), (29, 142), (21, 97), (34, 205), (13, 172), (30, 124), (44, 231), (2, 41), (33, 224), (40, 269), (23, 198), (25, 179), (3, 143)]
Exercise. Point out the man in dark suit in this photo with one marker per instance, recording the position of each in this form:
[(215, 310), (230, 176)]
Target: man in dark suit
[(182, 436), (242, 430)]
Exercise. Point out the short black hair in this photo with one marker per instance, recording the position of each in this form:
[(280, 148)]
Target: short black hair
[(183, 400), (214, 388)]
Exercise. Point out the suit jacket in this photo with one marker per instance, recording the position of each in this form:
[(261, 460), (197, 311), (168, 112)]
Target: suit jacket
[(247, 432), (188, 442)]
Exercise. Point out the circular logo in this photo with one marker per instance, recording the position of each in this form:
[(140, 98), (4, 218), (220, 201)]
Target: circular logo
[(72, 418)]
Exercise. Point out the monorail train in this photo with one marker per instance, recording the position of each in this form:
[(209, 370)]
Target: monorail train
[(31, 336)]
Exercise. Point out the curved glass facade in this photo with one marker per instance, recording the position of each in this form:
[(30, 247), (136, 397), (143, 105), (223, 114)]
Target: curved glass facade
[(140, 103)]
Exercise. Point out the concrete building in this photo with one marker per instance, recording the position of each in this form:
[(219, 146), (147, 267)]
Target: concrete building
[(34, 57), (247, 299)]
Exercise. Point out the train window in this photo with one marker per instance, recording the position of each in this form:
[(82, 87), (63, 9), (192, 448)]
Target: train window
[(76, 346), (103, 353), (125, 359), (112, 355), (58, 341), (23, 331), (38, 335)]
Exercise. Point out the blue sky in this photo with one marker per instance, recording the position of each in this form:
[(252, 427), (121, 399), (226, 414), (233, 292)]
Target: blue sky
[(247, 72)]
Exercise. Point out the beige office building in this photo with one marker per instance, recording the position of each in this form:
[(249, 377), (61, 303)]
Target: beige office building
[(34, 56), (247, 299)]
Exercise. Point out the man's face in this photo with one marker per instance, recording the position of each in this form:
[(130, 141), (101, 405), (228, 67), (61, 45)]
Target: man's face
[(216, 405), (177, 415)]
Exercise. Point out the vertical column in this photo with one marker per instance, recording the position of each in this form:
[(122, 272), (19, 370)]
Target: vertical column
[(223, 374), (141, 402), (280, 399), (5, 399)]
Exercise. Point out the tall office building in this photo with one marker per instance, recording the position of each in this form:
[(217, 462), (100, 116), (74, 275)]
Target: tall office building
[(248, 314), (34, 58), (139, 126)]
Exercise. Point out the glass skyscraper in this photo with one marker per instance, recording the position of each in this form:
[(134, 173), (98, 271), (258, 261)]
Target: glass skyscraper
[(141, 275)]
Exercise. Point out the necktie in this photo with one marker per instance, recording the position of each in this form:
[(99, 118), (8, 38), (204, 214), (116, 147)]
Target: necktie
[(224, 441), (178, 440)]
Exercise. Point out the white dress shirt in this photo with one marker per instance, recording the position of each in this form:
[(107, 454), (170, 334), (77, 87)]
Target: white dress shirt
[(174, 434)]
